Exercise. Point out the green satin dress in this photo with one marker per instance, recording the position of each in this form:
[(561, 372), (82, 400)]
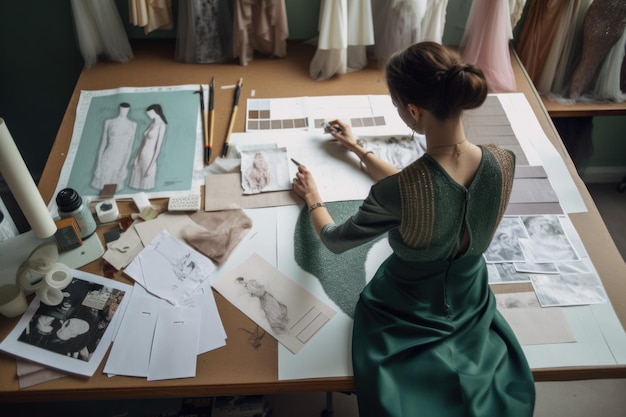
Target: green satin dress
[(427, 338)]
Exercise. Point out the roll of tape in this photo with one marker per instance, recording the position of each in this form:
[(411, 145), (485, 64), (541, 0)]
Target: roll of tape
[(107, 211), (12, 300), (59, 276), (49, 296)]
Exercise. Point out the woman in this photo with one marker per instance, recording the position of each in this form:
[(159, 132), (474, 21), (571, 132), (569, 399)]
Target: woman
[(145, 163), (427, 338)]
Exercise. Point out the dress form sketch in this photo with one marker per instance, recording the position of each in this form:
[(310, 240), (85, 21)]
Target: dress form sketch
[(145, 164), (115, 148)]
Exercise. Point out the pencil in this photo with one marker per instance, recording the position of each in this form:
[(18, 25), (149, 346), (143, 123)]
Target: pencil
[(207, 156), (232, 117), (204, 122), (295, 162)]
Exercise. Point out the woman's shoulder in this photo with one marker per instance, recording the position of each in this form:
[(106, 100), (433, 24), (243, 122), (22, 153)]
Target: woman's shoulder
[(500, 154)]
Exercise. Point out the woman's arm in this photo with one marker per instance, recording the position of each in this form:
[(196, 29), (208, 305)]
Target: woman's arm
[(376, 168)]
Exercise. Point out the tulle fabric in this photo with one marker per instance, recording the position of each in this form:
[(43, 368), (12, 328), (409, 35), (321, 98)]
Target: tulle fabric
[(485, 43), (204, 31), (345, 29), (100, 31), (259, 26)]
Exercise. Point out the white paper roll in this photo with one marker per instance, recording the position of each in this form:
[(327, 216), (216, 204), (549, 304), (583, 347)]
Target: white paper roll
[(17, 176)]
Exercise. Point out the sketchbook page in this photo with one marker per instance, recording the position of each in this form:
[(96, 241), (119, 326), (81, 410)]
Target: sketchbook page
[(175, 344), (284, 309), (75, 335), (110, 142), (170, 268)]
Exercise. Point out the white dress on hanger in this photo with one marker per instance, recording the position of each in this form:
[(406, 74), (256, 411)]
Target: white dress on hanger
[(345, 29)]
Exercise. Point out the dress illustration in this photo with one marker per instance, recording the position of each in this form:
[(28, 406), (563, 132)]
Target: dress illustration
[(275, 311), (145, 164), (258, 173), (427, 338), (115, 149)]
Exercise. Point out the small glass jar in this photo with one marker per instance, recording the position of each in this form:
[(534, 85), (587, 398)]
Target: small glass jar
[(70, 204)]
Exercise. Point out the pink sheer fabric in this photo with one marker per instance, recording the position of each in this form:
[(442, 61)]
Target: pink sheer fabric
[(485, 43), (259, 26)]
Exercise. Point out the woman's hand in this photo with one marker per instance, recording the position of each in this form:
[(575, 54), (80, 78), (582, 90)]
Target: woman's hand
[(304, 185), (345, 135)]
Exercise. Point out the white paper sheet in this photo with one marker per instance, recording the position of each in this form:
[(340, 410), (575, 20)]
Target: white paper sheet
[(170, 269), (175, 344)]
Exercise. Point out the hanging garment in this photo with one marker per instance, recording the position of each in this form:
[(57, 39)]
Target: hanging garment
[(485, 43), (151, 14), (603, 27), (259, 26), (204, 33), (100, 31), (345, 29)]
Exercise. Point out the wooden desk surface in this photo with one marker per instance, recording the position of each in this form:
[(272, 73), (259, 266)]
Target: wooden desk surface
[(238, 368)]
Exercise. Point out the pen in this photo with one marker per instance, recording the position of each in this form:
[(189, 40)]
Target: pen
[(204, 123), (232, 117), (209, 148), (295, 162)]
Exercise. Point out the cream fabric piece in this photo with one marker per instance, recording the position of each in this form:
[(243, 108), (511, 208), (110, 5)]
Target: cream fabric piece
[(151, 14), (345, 29), (260, 26)]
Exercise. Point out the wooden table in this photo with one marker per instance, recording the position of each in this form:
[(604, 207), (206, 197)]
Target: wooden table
[(238, 368)]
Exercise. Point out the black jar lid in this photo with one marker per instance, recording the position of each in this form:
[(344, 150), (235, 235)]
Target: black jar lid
[(68, 200)]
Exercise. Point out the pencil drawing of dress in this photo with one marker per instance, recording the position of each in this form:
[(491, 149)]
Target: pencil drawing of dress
[(115, 148), (145, 163), (275, 311)]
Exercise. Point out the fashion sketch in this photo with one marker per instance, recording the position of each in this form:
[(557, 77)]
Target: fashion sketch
[(274, 301), (258, 173), (274, 310), (115, 148), (264, 170), (145, 163)]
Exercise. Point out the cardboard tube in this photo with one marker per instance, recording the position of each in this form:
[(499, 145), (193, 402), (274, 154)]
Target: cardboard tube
[(23, 188)]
